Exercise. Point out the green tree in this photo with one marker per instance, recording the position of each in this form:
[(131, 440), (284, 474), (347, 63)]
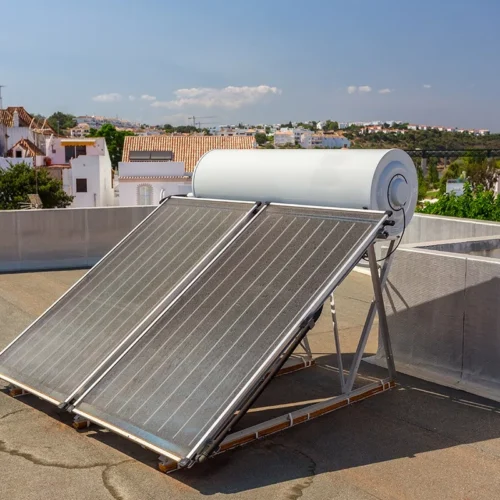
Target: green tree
[(39, 118), (479, 204), (455, 170), (186, 129), (260, 138), (432, 173), (423, 187), (61, 122), (481, 171), (20, 180), (330, 126), (114, 141)]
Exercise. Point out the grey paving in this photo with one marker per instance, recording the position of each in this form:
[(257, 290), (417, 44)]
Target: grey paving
[(419, 441)]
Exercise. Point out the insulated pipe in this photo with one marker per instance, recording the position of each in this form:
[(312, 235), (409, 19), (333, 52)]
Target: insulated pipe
[(374, 179)]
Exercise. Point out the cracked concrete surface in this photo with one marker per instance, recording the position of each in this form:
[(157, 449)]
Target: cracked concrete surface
[(417, 442)]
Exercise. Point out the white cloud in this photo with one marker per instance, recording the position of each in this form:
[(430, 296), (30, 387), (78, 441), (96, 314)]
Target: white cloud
[(227, 97), (352, 89), (112, 97), (427, 86), (131, 98), (146, 97), (385, 91)]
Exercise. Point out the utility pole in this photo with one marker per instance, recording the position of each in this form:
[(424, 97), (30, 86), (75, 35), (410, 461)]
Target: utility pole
[(1, 103)]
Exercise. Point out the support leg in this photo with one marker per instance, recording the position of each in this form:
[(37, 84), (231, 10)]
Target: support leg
[(17, 392), (307, 348), (337, 342), (382, 318), (80, 423), (369, 318)]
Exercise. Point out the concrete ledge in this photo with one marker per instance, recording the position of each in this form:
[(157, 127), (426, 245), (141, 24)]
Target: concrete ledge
[(70, 238), (443, 314)]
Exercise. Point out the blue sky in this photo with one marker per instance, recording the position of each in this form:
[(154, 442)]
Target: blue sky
[(433, 62)]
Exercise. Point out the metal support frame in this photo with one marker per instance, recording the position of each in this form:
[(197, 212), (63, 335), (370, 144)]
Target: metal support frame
[(377, 305), (348, 394), (338, 349)]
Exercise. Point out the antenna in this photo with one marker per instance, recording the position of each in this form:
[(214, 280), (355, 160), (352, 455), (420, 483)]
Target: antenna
[(1, 103)]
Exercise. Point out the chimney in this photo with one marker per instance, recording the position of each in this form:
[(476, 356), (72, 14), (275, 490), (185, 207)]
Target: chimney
[(16, 118)]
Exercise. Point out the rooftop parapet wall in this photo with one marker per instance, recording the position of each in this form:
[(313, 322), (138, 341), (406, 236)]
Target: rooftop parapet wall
[(63, 238), (443, 314)]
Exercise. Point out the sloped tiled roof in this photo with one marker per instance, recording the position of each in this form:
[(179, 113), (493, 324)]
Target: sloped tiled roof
[(188, 149), (25, 120), (27, 145), (6, 118)]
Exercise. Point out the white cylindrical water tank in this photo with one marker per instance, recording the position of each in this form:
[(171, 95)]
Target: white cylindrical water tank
[(374, 179)]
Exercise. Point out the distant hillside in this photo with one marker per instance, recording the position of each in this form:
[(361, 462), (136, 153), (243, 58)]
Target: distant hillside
[(422, 139)]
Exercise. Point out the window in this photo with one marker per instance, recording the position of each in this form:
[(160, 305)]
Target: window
[(81, 185), (145, 195), (74, 152), (19, 154)]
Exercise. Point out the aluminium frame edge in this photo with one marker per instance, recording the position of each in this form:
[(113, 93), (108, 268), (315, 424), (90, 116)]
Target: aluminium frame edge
[(29, 389), (127, 435), (322, 296), (322, 207), (246, 202), (252, 216)]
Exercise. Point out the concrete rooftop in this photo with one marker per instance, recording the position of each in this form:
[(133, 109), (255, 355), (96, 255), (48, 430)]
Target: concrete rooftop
[(418, 441)]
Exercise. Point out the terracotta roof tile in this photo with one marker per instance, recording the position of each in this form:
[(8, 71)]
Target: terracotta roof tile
[(188, 149), (25, 120), (6, 118), (27, 145)]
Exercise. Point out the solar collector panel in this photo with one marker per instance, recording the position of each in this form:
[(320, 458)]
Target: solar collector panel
[(57, 353), (192, 368)]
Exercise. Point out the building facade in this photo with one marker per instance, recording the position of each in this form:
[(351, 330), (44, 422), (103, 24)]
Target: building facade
[(17, 124), (283, 138), (147, 183), (84, 167)]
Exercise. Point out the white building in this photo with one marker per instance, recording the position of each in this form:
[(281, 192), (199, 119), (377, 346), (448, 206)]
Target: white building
[(17, 124), (25, 151), (84, 167), (282, 138), (81, 130), (157, 166), (147, 183), (309, 140), (98, 121), (230, 131)]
